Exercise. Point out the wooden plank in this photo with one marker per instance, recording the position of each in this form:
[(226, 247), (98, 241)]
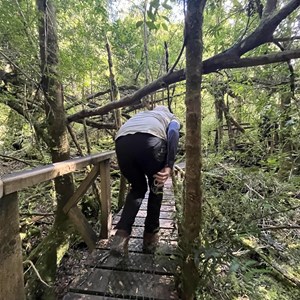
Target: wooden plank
[(75, 296), (164, 223), (136, 245), (127, 284), (106, 215), (169, 234), (142, 213), (164, 247), (20, 180), (164, 234), (84, 186), (11, 263), (163, 207), (163, 214), (137, 262), (168, 202), (84, 228)]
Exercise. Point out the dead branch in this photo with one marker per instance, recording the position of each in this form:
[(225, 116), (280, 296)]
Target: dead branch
[(36, 271), (17, 159), (74, 139), (35, 213), (98, 125), (280, 227), (276, 213), (249, 187)]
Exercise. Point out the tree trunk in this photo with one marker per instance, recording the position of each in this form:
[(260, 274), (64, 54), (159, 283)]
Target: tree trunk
[(146, 54), (47, 255), (115, 96), (219, 117), (286, 135), (145, 32), (193, 194), (231, 138)]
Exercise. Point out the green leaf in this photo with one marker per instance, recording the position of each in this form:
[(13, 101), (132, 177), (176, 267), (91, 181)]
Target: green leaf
[(151, 15), (154, 3), (164, 26), (139, 24), (234, 266), (151, 25), (166, 18), (166, 6)]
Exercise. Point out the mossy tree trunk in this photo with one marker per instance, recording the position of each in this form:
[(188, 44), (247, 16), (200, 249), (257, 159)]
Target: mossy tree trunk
[(193, 192), (218, 95), (47, 255)]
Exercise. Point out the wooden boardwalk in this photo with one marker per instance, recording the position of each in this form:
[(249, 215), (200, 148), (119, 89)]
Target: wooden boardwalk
[(139, 276)]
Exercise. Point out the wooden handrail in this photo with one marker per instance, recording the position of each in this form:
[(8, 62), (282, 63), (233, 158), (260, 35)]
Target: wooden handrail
[(11, 275), (19, 180)]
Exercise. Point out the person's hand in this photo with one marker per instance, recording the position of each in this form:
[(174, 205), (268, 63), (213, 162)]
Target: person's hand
[(162, 176)]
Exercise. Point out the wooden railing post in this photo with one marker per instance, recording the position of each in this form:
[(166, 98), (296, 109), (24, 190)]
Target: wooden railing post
[(11, 262), (105, 198), (122, 191)]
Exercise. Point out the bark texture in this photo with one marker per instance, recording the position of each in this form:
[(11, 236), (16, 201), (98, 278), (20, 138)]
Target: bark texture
[(193, 191), (47, 255)]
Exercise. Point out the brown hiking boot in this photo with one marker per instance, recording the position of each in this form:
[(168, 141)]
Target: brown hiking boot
[(150, 242), (119, 245)]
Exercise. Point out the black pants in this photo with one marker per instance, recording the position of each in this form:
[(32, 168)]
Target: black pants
[(139, 156)]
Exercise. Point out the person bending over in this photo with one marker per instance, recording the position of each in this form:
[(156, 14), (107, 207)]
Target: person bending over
[(146, 147)]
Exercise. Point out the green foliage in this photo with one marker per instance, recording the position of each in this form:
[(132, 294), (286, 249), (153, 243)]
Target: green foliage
[(82, 28), (239, 203), (18, 39), (157, 14)]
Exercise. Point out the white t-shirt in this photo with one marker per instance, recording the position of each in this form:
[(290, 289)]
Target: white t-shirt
[(154, 122)]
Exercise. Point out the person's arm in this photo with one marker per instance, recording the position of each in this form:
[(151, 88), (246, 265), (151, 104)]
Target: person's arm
[(173, 138)]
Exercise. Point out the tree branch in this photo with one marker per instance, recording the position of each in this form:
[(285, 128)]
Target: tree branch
[(98, 125), (19, 69), (262, 34), (17, 159), (258, 61), (208, 67), (286, 39)]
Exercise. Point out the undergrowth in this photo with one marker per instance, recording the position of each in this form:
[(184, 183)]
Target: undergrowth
[(250, 238)]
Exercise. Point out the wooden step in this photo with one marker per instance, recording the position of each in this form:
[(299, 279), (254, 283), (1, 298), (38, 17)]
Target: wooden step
[(137, 262), (122, 284)]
